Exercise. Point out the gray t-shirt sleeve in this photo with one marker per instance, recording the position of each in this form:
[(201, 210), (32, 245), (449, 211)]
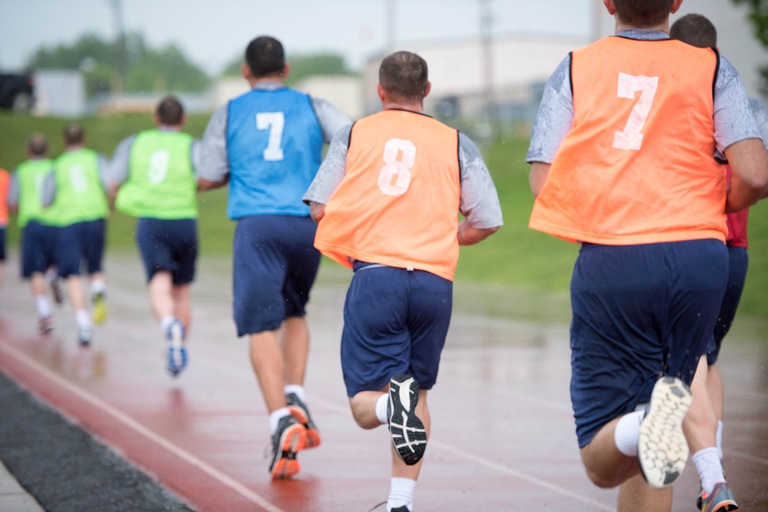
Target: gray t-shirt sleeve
[(119, 165), (48, 190), (479, 202), (733, 116), (331, 119), (332, 170), (196, 156), (212, 150), (554, 117), (13, 190)]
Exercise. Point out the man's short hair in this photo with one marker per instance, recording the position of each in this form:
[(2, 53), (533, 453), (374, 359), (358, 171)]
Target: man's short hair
[(169, 111), (643, 13), (265, 57), (695, 30), (404, 75), (74, 134), (37, 145)]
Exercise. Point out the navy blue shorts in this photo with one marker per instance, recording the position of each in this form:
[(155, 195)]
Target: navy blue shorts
[(395, 321), (38, 248), (168, 245), (738, 261), (78, 244), (639, 312), (275, 265), (2, 243)]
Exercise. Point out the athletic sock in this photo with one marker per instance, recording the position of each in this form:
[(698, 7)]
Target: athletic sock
[(83, 319), (276, 416), (43, 306), (627, 433), (401, 493), (709, 467), (296, 390), (166, 322), (98, 286), (381, 408)]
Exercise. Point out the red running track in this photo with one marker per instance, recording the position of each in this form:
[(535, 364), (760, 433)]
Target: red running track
[(502, 431)]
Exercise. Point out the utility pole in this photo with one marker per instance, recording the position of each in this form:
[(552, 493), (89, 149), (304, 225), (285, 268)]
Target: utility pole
[(118, 76), (486, 42)]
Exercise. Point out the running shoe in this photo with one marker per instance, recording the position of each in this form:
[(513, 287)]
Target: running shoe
[(721, 499), (299, 409), (99, 308), (662, 450), (409, 437), (287, 441), (401, 508), (176, 352), (45, 324), (58, 294), (85, 336)]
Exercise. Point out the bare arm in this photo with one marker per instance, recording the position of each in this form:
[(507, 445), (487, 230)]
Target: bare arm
[(538, 176), (316, 211), (469, 236), (749, 182), (203, 184)]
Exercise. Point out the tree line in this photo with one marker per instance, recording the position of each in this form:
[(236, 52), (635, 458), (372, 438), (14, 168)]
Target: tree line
[(131, 65)]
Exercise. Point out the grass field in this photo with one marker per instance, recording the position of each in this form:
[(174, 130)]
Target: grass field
[(517, 259)]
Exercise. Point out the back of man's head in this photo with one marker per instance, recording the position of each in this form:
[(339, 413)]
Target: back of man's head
[(643, 13), (169, 111), (404, 76), (265, 57), (74, 134), (695, 30), (37, 145)]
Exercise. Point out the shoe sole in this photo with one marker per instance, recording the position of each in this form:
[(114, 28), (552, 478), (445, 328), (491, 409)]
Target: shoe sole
[(313, 435), (409, 437), (291, 442), (662, 449)]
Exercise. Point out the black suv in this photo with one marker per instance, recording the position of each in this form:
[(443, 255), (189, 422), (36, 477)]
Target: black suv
[(17, 91)]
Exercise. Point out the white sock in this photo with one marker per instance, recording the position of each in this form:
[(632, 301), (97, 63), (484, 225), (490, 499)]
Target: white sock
[(43, 306), (166, 322), (98, 287), (296, 390), (709, 467), (381, 408), (276, 416), (627, 433), (83, 319), (720, 439), (401, 493)]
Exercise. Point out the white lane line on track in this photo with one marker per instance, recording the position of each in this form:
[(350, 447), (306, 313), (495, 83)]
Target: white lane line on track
[(336, 407), (518, 474), (139, 428)]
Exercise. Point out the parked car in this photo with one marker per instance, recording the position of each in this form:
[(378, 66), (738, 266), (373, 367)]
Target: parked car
[(17, 91)]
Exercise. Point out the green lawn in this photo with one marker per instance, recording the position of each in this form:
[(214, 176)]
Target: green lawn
[(516, 261)]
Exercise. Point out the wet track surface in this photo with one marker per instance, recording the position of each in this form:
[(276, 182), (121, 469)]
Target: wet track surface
[(502, 427)]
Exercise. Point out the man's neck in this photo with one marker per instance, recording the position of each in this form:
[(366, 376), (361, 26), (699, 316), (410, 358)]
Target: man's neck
[(664, 27), (417, 107)]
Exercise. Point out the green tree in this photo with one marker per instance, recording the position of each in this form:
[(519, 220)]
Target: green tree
[(303, 66), (758, 17), (147, 69)]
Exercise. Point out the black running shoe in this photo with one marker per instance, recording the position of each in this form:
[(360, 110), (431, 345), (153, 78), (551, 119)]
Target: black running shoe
[(409, 437), (299, 409)]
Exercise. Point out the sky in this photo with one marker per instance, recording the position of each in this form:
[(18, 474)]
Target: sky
[(212, 33)]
